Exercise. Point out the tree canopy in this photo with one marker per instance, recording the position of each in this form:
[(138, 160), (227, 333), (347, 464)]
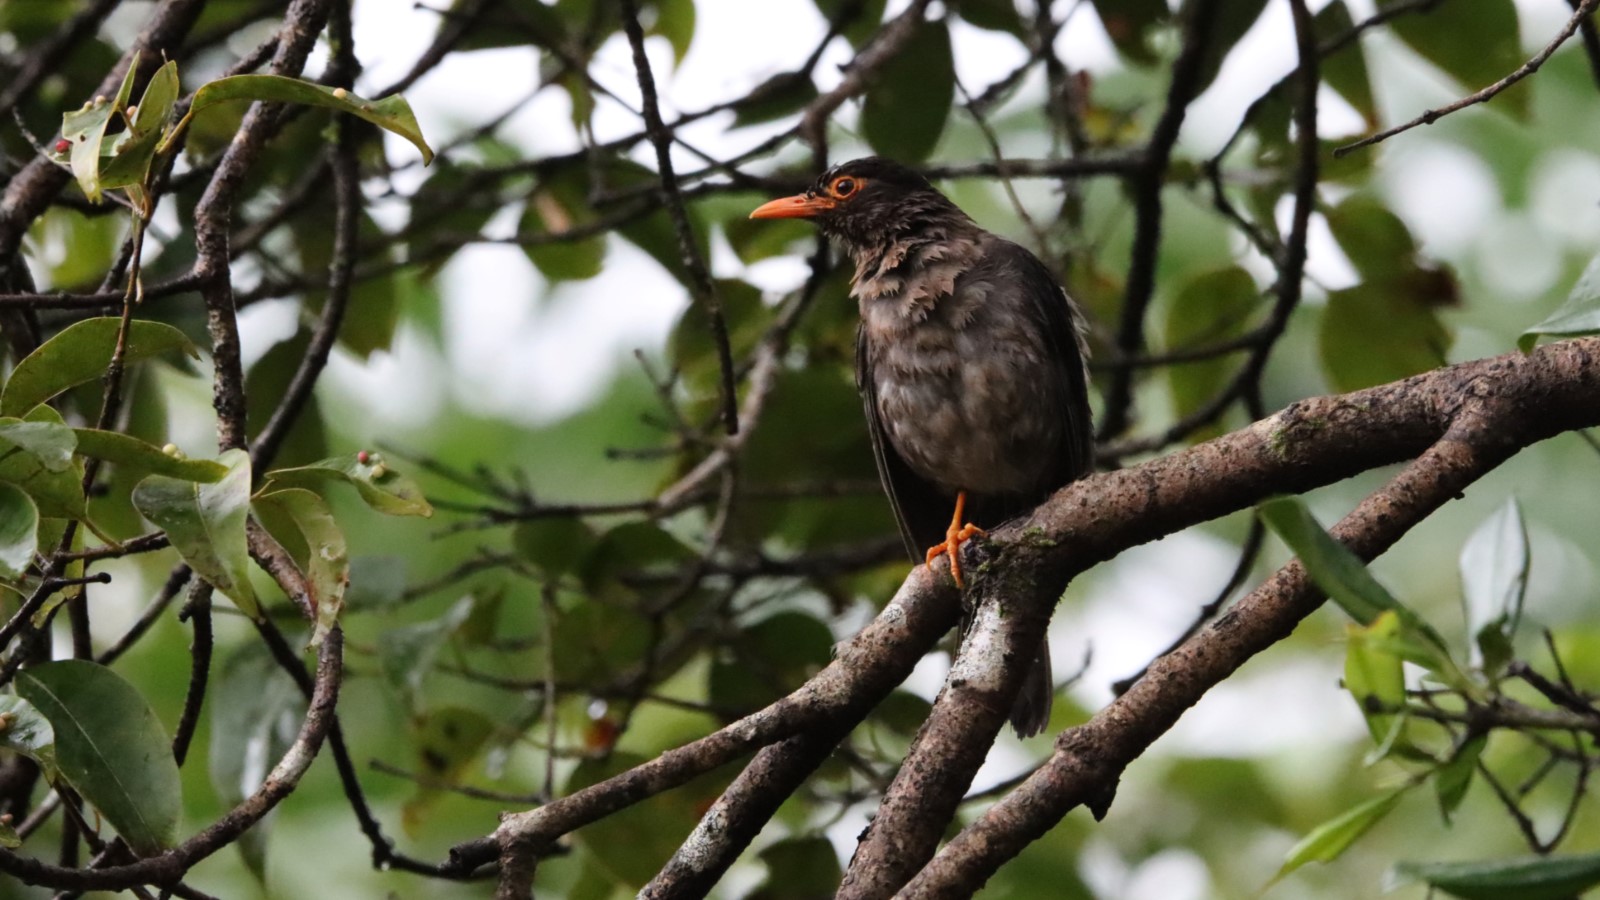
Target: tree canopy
[(418, 473)]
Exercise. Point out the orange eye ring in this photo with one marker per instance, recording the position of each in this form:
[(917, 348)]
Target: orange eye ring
[(843, 186)]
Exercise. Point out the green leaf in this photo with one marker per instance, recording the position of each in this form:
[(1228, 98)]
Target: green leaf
[(447, 741), (1329, 840), (391, 113), (860, 19), (632, 844), (1521, 878), (1210, 308), (85, 129), (110, 747), (1451, 780), (383, 489), (57, 489), (80, 353), (119, 448), (51, 442), (555, 545), (25, 730), (675, 22), (559, 206), (1373, 673), (800, 868), (1578, 315), (768, 660), (206, 524), (406, 655), (995, 15), (1348, 583), (783, 94), (1231, 22), (131, 158), (266, 383), (1346, 70), (317, 545), (905, 111), (1131, 23), (19, 531), (1476, 50), (1494, 579), (1378, 244), (255, 710), (1378, 332)]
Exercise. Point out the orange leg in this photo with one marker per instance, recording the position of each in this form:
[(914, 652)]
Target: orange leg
[(954, 536)]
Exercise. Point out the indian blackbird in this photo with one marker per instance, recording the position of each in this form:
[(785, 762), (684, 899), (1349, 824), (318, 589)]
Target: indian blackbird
[(970, 363)]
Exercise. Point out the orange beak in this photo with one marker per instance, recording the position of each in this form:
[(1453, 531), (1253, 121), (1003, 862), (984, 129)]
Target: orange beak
[(800, 206)]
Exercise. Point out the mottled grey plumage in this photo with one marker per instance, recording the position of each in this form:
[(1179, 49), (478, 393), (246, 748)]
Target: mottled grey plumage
[(969, 361)]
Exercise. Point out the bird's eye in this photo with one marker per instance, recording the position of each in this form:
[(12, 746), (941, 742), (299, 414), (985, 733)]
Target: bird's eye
[(843, 187)]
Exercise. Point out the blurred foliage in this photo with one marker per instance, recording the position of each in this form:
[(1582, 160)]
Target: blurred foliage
[(555, 622)]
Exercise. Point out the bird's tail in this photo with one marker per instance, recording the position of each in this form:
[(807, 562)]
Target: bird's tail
[(1031, 713)]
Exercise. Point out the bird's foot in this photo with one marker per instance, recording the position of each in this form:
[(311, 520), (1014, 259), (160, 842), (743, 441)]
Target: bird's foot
[(954, 537)]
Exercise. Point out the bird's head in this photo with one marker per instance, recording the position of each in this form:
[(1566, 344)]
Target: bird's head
[(868, 203)]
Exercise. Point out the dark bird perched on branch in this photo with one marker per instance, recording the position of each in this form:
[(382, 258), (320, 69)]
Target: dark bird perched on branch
[(970, 363)]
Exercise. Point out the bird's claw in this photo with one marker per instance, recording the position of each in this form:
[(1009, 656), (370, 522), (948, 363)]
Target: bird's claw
[(954, 537)]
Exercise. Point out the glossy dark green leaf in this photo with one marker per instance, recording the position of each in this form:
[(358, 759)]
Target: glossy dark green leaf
[(1329, 840), (255, 711), (1230, 23), (1451, 780), (1131, 23), (111, 748), (1476, 50), (1578, 315), (19, 531), (905, 110), (1373, 673), (783, 94), (1494, 578), (1520, 878), (1212, 307), (384, 489), (1378, 332), (80, 353), (206, 524), (319, 549), (654, 233), (1346, 70), (119, 448), (633, 547), (391, 113)]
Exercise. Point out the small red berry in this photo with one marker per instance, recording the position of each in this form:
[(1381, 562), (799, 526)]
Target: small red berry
[(63, 145), (363, 457)]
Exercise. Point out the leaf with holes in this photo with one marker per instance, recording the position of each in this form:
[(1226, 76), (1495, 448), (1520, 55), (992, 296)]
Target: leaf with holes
[(384, 489), (303, 523), (111, 748)]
